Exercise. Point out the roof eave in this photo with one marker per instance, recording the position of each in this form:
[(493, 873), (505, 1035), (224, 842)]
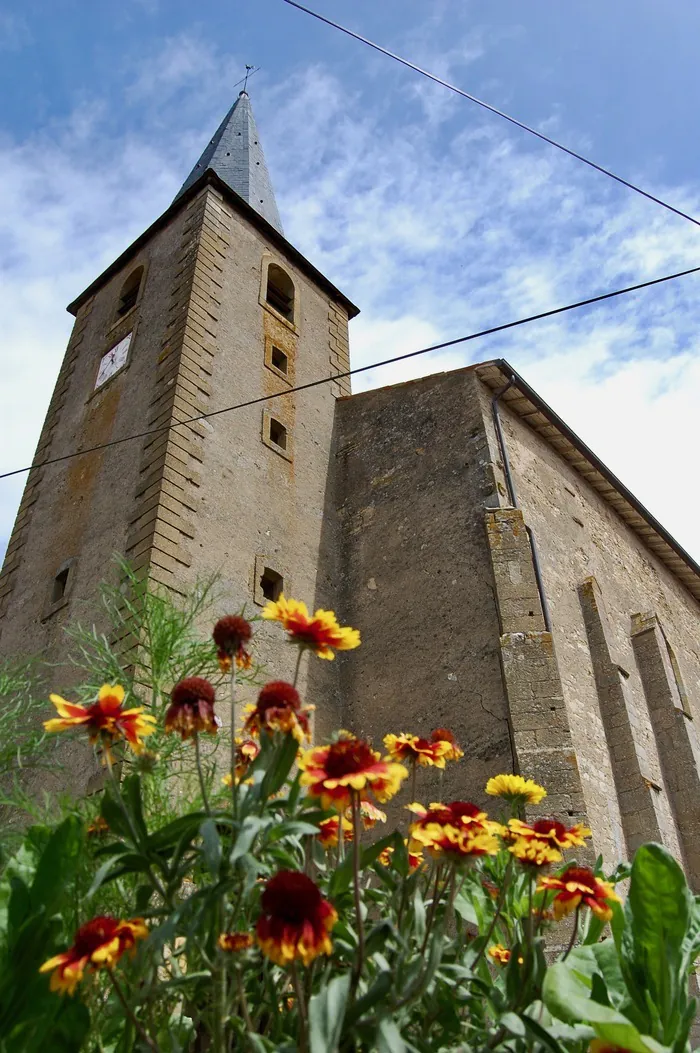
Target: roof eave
[(690, 577), (210, 178)]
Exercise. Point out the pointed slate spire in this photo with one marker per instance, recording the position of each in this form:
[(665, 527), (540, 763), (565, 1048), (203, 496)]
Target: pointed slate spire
[(235, 154)]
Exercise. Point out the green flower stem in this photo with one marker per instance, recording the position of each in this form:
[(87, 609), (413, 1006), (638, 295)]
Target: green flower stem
[(243, 1001), (155, 881), (200, 774), (499, 907), (356, 825), (298, 665), (302, 1045), (234, 786), (433, 908), (574, 934), (130, 1013)]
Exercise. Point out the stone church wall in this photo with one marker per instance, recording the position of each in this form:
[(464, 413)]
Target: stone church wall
[(413, 478), (615, 611)]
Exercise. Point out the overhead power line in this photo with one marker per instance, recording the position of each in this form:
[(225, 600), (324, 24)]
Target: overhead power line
[(493, 109), (359, 369)]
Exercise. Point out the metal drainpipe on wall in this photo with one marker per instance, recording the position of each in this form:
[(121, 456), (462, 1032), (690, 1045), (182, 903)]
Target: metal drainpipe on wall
[(514, 499)]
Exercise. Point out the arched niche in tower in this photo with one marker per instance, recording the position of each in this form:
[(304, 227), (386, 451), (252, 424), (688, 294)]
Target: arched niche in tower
[(129, 292), (279, 291)]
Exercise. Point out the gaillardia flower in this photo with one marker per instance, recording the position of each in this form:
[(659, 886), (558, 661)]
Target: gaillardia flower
[(445, 735), (370, 814), (599, 1045), (415, 856), (295, 921), (516, 789), (534, 853), (321, 634), (455, 831), (235, 941), (499, 953), (191, 708), (578, 886), (411, 748), (550, 831), (279, 708), (231, 634), (105, 720), (246, 752), (99, 943), (333, 772), (329, 828)]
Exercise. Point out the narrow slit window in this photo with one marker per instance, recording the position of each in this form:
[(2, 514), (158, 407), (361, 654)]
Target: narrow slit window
[(130, 292), (278, 434), (280, 291), (60, 584), (279, 360), (271, 584)]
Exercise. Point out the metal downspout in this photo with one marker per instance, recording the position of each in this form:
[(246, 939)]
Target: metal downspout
[(514, 500)]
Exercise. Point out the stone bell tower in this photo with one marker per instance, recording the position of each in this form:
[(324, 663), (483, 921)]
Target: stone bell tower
[(210, 307)]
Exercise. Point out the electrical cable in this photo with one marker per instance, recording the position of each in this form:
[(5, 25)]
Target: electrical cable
[(497, 112), (358, 369)]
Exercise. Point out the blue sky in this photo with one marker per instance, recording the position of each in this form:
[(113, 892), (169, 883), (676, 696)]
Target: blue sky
[(433, 216)]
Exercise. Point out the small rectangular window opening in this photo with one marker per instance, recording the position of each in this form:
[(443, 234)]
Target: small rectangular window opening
[(279, 360), (60, 583), (271, 584), (127, 301), (278, 434)]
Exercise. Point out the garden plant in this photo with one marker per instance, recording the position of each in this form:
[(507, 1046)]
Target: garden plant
[(242, 889)]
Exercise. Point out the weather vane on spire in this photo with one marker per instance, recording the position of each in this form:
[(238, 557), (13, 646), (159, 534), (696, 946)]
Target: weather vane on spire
[(248, 71)]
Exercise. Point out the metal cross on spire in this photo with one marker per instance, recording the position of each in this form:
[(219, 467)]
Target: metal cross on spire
[(248, 71)]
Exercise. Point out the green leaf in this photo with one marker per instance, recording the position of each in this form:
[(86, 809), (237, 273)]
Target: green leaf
[(131, 794), (111, 812), (250, 828), (283, 760), (465, 909), (377, 992), (567, 996), (326, 1015), (389, 1038), (58, 865), (170, 834), (657, 918), (211, 846)]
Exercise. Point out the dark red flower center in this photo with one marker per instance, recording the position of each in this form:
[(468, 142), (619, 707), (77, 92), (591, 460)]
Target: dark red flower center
[(292, 897), (348, 756), (278, 694), (443, 735), (192, 691), (460, 808), (94, 934), (582, 876), (231, 633), (549, 827)]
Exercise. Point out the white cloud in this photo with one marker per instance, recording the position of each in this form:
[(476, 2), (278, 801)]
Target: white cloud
[(432, 235)]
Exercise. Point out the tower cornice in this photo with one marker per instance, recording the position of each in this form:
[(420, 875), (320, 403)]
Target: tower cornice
[(210, 178)]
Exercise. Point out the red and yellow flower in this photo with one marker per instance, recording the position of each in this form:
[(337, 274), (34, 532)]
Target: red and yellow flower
[(99, 944), (296, 920), (415, 856), (533, 853), (579, 886), (454, 752), (97, 827), (320, 633), (333, 772), (516, 789), (191, 708), (550, 831), (231, 634), (455, 831), (405, 748), (329, 829), (235, 942), (599, 1045), (106, 721), (246, 752), (279, 708), (370, 814), (499, 953)]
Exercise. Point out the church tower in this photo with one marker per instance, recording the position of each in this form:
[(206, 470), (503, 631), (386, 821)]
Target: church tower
[(210, 307)]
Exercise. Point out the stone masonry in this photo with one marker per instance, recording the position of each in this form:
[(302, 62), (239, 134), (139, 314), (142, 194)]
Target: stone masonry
[(505, 584)]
